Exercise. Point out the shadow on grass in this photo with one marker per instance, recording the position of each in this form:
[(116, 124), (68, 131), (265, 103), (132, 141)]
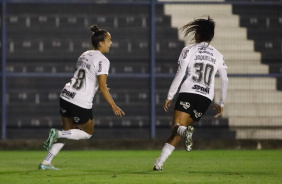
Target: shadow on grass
[(231, 173), (114, 173), (97, 172)]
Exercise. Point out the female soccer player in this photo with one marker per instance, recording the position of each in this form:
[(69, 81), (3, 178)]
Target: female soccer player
[(77, 96), (201, 61)]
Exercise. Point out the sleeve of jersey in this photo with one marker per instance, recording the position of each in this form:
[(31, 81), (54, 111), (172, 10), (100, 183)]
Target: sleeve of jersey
[(224, 85), (103, 67), (178, 78), (223, 65)]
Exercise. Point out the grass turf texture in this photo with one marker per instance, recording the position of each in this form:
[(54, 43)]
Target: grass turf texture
[(121, 167)]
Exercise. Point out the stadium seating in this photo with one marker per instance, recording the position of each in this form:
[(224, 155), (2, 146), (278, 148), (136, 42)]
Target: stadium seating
[(252, 103), (50, 38), (45, 39), (267, 38)]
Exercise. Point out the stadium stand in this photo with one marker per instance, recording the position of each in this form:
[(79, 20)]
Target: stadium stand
[(48, 39), (45, 39), (268, 38), (253, 104)]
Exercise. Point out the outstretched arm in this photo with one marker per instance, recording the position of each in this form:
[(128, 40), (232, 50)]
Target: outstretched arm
[(105, 92)]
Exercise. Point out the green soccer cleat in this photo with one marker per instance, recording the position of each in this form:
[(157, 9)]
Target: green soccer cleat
[(53, 135), (47, 167), (188, 141)]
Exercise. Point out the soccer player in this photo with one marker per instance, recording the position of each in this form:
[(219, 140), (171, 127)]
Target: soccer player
[(77, 96), (201, 61)]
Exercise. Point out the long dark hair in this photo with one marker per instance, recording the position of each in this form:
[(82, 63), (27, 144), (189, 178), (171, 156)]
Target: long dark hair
[(203, 29), (98, 36)]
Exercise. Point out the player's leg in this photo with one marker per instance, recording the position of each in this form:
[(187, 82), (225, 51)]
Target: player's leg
[(69, 131), (82, 119), (56, 146), (200, 106), (182, 128), (180, 121), (82, 131)]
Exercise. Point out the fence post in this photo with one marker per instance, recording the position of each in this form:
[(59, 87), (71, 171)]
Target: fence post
[(4, 119), (153, 48)]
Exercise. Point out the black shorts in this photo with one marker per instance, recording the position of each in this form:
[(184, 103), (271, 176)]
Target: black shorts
[(193, 104), (78, 114)]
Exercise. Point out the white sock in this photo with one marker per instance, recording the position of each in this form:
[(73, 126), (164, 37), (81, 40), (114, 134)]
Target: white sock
[(166, 151), (49, 157), (74, 134), (53, 152), (182, 131)]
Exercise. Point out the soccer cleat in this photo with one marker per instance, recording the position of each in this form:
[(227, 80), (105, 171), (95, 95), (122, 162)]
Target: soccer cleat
[(157, 167), (53, 135), (188, 141), (47, 167)]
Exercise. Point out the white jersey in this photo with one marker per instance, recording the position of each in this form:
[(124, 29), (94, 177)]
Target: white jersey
[(201, 62), (84, 84)]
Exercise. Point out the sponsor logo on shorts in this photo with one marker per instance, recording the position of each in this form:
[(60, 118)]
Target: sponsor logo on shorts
[(185, 105), (76, 119), (197, 114)]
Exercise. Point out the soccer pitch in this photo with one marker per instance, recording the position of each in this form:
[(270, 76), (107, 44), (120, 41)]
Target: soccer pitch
[(121, 167)]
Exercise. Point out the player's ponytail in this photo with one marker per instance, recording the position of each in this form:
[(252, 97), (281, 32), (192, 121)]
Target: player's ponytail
[(203, 29), (94, 29), (98, 36)]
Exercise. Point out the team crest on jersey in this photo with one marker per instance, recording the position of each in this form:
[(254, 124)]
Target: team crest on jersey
[(185, 105), (197, 114)]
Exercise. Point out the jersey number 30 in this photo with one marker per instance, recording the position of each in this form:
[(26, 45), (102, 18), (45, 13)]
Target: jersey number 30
[(79, 79), (204, 73)]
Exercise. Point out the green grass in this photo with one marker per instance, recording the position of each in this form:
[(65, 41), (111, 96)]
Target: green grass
[(121, 167)]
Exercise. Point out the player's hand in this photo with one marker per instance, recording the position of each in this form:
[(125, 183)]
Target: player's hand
[(218, 109), (167, 104), (118, 111)]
